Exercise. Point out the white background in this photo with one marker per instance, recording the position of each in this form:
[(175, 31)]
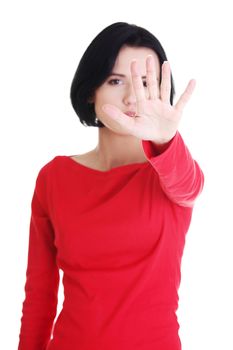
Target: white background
[(41, 44)]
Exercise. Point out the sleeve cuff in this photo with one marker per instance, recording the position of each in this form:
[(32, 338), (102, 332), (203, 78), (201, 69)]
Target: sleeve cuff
[(151, 150)]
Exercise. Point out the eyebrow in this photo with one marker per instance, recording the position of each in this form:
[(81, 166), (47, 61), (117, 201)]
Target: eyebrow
[(123, 76)]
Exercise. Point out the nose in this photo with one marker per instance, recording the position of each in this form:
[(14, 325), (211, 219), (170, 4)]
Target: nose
[(129, 96)]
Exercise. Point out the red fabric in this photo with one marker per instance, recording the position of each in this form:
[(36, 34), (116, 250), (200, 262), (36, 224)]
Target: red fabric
[(118, 236)]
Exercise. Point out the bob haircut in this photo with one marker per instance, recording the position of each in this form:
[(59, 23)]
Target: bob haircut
[(97, 63)]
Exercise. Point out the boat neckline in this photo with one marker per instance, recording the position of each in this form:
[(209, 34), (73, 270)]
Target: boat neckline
[(113, 170)]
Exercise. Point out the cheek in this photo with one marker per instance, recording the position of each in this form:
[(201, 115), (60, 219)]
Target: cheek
[(99, 102), (111, 96)]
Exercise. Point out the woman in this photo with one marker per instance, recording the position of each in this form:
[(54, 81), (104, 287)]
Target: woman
[(115, 218)]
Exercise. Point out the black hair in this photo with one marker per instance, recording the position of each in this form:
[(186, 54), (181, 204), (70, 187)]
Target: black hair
[(97, 63)]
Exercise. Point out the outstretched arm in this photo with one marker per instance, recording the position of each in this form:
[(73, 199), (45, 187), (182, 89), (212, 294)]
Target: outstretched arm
[(156, 124)]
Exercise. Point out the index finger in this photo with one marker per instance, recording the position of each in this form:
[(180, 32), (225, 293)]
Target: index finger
[(137, 82)]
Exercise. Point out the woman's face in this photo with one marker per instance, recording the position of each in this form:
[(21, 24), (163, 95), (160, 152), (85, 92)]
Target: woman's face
[(117, 88)]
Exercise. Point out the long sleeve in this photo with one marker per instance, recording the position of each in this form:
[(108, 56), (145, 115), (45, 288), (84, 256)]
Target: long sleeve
[(42, 279), (118, 237), (179, 174)]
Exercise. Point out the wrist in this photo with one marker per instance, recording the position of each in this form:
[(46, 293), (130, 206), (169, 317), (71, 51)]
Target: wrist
[(160, 147)]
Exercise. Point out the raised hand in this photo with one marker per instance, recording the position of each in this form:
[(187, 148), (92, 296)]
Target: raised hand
[(156, 120)]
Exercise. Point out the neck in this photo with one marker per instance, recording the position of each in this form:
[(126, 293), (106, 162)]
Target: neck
[(115, 150)]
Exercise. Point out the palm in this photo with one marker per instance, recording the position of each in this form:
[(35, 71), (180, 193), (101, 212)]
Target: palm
[(157, 120)]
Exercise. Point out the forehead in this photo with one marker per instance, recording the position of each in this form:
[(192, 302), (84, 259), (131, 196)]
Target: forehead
[(127, 54)]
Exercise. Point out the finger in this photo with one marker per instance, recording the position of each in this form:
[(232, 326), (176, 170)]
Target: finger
[(151, 78), (165, 87), (184, 98), (137, 82), (116, 120)]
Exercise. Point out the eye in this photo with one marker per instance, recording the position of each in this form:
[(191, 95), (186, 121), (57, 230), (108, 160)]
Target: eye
[(114, 81), (144, 83)]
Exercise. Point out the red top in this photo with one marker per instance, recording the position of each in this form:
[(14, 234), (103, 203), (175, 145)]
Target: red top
[(118, 236)]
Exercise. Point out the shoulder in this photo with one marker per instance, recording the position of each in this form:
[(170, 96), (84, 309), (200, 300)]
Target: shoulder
[(51, 168), (45, 177), (52, 164)]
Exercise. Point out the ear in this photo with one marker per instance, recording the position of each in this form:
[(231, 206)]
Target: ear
[(91, 99)]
